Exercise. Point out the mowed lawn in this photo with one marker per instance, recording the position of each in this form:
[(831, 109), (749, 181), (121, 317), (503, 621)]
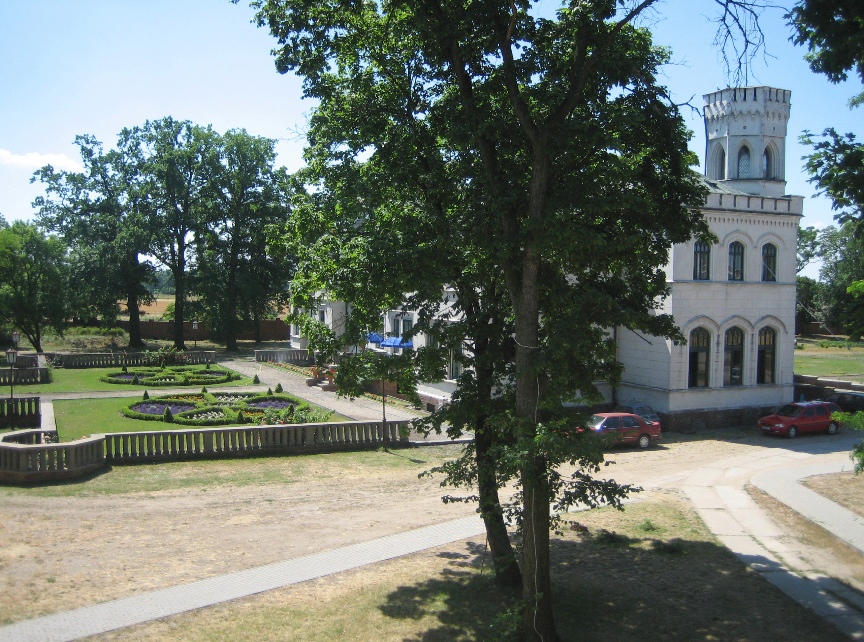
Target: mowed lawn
[(76, 418), (834, 359)]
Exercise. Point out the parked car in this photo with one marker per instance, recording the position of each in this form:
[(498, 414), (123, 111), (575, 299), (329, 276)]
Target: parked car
[(626, 427), (805, 416), (638, 408), (848, 401)]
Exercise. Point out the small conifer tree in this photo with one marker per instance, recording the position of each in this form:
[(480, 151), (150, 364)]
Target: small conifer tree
[(146, 395), (167, 417), (279, 387), (255, 379)]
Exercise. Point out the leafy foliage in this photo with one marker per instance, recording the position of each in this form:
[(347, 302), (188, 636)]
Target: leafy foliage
[(33, 281)]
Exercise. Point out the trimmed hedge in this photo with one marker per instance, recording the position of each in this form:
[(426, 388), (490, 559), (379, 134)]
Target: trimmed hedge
[(175, 376)]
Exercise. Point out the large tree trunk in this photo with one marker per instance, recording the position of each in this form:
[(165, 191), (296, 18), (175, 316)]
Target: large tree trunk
[(134, 320), (504, 562)]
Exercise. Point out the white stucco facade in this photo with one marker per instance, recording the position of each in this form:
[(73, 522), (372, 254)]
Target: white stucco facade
[(738, 293)]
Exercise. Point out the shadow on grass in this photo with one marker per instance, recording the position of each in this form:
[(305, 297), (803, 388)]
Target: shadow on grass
[(615, 587)]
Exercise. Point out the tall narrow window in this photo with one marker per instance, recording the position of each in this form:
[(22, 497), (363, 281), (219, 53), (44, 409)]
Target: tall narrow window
[(701, 261), (733, 358), (744, 163), (769, 262), (736, 261), (767, 165), (700, 351), (720, 170), (766, 357)]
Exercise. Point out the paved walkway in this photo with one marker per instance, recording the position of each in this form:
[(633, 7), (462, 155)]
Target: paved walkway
[(717, 491)]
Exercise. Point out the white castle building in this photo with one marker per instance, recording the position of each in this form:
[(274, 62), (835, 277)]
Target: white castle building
[(734, 300)]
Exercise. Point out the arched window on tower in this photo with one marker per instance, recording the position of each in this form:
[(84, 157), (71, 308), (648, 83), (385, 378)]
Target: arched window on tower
[(765, 359), (733, 357), (700, 351), (720, 169), (744, 163), (767, 165)]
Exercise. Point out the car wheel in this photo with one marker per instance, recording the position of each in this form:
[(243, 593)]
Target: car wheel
[(832, 428), (644, 441), (792, 432)]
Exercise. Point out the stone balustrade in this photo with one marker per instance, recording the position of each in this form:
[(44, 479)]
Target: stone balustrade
[(22, 376), (20, 412), (25, 459), (119, 359), (218, 443), (293, 355)]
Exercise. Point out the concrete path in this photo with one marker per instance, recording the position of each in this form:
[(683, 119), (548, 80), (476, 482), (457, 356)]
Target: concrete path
[(719, 495)]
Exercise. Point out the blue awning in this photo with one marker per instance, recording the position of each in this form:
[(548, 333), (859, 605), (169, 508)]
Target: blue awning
[(374, 337), (397, 342)]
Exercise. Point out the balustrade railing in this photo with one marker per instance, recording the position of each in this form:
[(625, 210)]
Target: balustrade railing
[(293, 355), (24, 458), (119, 359), (20, 412), (21, 376)]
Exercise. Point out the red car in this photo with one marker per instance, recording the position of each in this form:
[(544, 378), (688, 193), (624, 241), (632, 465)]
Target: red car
[(805, 416), (627, 428)]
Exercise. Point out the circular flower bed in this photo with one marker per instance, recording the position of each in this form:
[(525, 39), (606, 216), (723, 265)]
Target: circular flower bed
[(175, 376), (207, 409), (279, 404), (155, 410)]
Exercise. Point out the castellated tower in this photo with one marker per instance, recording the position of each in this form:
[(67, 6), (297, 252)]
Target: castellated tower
[(745, 138)]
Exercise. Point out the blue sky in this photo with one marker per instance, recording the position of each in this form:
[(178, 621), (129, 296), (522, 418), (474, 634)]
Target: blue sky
[(74, 67)]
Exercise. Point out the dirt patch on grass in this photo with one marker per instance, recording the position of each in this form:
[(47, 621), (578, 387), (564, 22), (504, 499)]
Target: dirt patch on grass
[(619, 576)]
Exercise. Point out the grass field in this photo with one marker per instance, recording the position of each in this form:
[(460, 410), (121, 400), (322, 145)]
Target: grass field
[(826, 358), (76, 418)]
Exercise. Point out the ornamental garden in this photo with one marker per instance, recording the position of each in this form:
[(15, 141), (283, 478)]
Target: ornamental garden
[(225, 408)]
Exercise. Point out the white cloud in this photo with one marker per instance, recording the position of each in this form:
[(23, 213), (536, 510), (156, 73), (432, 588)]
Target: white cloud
[(34, 160)]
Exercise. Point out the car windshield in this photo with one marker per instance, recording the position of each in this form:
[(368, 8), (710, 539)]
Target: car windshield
[(596, 421), (789, 411)]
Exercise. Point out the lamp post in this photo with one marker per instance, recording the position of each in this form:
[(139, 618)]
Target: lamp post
[(195, 333), (11, 358)]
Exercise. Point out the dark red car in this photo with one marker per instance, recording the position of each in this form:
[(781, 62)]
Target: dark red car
[(805, 416), (625, 427)]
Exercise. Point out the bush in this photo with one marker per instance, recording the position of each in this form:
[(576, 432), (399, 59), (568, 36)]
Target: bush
[(278, 388), (255, 379), (167, 417)]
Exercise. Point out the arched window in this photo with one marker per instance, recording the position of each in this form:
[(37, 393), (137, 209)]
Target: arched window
[(700, 351), (733, 357), (767, 165), (744, 163), (701, 261), (766, 357), (769, 262), (736, 261), (720, 169)]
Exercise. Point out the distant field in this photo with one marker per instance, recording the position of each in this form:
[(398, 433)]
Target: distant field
[(829, 359)]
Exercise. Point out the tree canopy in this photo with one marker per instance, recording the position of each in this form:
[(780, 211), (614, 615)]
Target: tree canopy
[(553, 141)]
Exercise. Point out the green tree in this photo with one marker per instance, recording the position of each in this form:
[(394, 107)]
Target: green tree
[(177, 161), (580, 164), (832, 31), (235, 275), (98, 213), (32, 285), (842, 253)]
